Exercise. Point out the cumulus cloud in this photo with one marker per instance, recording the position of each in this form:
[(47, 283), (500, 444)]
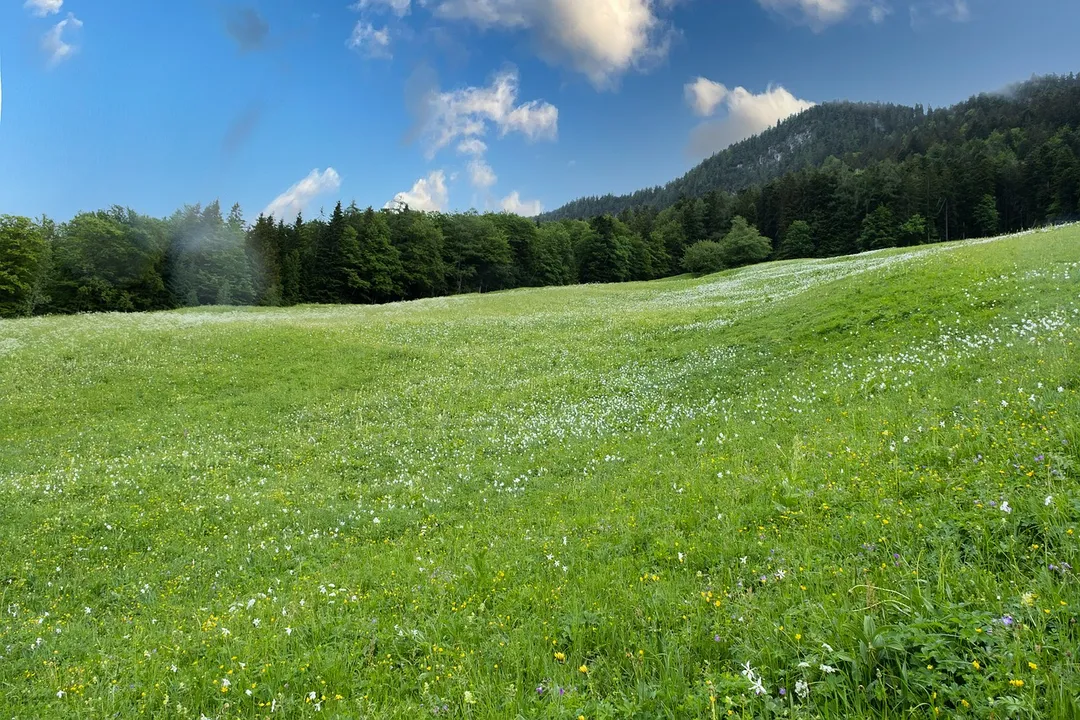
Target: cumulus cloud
[(468, 113), (428, 194), (53, 42), (703, 95), (43, 8), (369, 41), (481, 175), (819, 14), (294, 200), (398, 7), (598, 38), (513, 203), (747, 115), (248, 28)]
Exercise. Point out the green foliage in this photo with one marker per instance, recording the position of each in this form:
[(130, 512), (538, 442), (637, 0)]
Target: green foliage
[(419, 241), (986, 216), (555, 255), (373, 265), (476, 252), (914, 231), (605, 254), (207, 257), (109, 261), (879, 230), (23, 261), (704, 257), (744, 245), (798, 241)]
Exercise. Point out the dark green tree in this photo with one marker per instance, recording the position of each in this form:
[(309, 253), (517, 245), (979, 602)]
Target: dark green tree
[(606, 254), (879, 230), (986, 217), (704, 257), (798, 241), (419, 242)]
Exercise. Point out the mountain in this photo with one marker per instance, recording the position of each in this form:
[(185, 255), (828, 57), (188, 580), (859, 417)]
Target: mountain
[(860, 134)]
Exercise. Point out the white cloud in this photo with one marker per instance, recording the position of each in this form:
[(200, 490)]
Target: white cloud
[(53, 42), (365, 39), (428, 194), (747, 115), (513, 203), (43, 8), (398, 7), (599, 38), (703, 95), (481, 175), (294, 200), (819, 14), (467, 113), (472, 146)]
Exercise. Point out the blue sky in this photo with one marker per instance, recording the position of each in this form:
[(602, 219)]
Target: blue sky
[(450, 104)]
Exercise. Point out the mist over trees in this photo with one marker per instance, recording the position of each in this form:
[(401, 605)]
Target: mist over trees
[(997, 163)]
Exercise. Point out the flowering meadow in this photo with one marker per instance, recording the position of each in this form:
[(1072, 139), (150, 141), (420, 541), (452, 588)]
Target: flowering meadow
[(841, 488)]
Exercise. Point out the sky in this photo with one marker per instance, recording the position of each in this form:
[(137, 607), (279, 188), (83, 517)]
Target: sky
[(519, 105)]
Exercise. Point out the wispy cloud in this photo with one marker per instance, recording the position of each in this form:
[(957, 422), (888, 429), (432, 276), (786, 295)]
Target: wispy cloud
[(957, 11), (296, 199), (369, 41), (398, 7), (481, 175), (819, 14), (53, 43), (468, 113)]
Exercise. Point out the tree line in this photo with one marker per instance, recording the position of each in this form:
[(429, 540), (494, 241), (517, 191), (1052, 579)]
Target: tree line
[(983, 176)]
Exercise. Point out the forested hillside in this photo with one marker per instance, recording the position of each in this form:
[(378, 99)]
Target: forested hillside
[(997, 163), (859, 134)]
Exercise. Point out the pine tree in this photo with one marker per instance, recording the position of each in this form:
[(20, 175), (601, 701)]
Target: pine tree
[(879, 230)]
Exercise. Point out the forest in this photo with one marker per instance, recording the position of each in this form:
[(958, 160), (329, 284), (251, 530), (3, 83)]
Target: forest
[(996, 163)]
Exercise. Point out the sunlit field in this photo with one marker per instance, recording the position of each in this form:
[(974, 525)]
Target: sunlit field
[(816, 489)]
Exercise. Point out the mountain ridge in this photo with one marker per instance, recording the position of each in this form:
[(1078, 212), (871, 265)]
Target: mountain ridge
[(859, 133)]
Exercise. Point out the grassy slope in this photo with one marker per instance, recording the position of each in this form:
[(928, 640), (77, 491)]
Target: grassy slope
[(420, 509)]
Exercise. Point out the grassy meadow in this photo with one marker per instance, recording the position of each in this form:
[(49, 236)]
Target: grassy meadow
[(838, 488)]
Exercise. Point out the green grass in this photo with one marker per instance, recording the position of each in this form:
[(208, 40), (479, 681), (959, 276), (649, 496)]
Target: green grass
[(593, 501)]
